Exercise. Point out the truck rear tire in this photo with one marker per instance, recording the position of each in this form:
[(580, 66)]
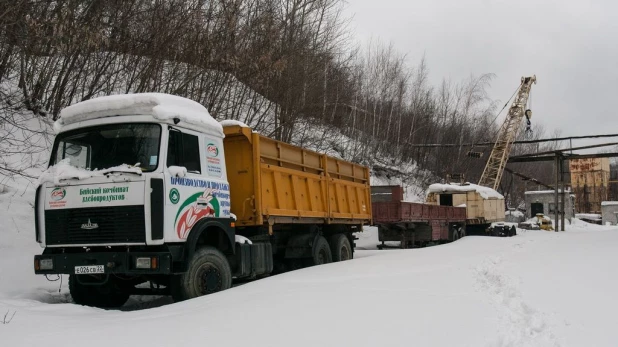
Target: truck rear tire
[(340, 248), (108, 295), (321, 252), (208, 272)]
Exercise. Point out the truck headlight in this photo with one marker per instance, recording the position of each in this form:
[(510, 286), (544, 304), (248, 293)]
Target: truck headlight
[(146, 263), (142, 263), (44, 264)]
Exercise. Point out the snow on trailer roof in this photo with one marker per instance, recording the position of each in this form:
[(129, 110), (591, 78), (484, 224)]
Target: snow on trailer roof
[(609, 203), (164, 107), (485, 192)]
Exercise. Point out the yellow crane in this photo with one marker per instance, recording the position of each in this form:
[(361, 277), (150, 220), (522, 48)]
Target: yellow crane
[(492, 174)]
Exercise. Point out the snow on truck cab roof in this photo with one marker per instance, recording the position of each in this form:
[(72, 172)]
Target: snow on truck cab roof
[(163, 107), (485, 192)]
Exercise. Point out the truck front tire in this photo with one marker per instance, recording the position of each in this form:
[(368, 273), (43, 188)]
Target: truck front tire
[(208, 272), (108, 295)]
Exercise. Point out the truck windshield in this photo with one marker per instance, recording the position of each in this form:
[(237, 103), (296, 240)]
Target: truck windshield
[(106, 146)]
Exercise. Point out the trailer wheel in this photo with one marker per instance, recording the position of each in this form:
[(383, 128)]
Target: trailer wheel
[(513, 231), (321, 252), (455, 235), (108, 295), (208, 272), (462, 232), (340, 248)]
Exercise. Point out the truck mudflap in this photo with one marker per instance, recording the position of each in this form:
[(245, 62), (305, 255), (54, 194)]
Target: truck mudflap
[(138, 263), (253, 260)]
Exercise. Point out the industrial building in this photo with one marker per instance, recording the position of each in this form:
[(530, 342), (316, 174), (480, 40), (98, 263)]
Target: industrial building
[(543, 201)]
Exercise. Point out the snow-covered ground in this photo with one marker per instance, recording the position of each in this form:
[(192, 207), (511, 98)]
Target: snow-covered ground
[(538, 288)]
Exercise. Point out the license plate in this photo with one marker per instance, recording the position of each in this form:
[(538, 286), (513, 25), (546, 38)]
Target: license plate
[(91, 269)]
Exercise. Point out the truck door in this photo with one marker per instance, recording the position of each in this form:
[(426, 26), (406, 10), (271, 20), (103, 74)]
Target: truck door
[(192, 192)]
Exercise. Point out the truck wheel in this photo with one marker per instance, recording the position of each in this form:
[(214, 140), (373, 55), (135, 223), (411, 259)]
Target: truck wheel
[(462, 232), (455, 235), (321, 252), (340, 248), (208, 272), (108, 295)]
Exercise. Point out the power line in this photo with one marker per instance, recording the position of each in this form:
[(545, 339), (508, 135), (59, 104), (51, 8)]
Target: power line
[(446, 145), (528, 159), (555, 151)]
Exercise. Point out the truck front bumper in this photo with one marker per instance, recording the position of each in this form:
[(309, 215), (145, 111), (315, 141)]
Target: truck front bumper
[(113, 263)]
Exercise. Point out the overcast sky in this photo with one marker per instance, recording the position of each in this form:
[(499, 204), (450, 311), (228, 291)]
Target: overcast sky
[(571, 46)]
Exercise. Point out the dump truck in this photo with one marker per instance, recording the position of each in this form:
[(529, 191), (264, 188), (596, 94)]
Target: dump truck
[(148, 194), (412, 224)]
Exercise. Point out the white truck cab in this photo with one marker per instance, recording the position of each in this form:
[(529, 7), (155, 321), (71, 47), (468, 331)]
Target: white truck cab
[(129, 177)]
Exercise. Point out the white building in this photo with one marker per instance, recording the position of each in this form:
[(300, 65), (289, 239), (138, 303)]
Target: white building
[(543, 201), (609, 212)]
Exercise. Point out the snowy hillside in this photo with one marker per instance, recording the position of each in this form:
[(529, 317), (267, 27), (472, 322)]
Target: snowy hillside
[(25, 139)]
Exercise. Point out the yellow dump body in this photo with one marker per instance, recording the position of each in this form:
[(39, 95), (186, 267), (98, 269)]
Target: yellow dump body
[(273, 182)]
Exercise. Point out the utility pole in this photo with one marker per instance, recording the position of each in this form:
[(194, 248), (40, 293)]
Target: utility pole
[(562, 193), (556, 189)]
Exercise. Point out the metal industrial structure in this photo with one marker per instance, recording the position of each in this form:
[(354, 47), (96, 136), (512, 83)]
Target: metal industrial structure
[(558, 157), (492, 174)]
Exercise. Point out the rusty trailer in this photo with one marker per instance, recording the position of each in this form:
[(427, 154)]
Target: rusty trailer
[(414, 224)]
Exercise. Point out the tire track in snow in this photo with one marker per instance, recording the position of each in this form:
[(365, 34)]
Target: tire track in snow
[(519, 324)]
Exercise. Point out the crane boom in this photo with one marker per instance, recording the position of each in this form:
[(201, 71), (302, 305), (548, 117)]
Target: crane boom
[(492, 174)]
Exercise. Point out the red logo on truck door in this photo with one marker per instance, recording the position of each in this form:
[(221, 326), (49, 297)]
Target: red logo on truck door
[(58, 194), (212, 150)]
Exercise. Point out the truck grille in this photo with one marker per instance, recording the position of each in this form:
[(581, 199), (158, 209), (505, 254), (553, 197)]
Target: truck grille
[(118, 224)]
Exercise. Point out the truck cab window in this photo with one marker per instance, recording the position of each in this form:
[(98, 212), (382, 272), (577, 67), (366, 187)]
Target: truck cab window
[(105, 146), (78, 154), (184, 150)]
